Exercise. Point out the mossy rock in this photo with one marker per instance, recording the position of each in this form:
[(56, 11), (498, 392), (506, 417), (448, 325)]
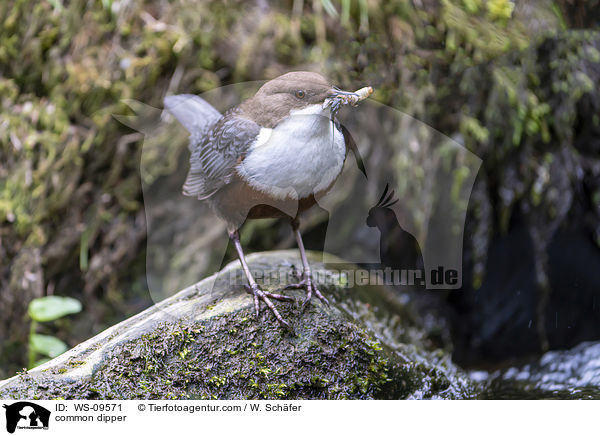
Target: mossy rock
[(205, 343)]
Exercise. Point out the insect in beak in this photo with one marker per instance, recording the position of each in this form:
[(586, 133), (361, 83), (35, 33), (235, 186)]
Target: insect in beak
[(339, 98)]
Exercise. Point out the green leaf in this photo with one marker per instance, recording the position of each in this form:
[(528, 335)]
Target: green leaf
[(47, 345), (52, 307)]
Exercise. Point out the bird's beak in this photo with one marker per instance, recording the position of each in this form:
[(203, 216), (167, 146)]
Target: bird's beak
[(336, 98)]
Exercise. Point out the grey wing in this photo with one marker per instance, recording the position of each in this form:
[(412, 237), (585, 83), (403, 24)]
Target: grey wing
[(214, 159), (194, 113)]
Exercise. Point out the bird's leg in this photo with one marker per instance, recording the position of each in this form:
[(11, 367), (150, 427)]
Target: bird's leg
[(307, 279), (253, 288)]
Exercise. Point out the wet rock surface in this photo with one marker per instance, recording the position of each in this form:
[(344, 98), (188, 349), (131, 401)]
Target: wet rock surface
[(205, 343), (565, 374)]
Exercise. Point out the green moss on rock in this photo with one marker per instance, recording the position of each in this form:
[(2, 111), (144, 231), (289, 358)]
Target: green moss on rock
[(221, 351)]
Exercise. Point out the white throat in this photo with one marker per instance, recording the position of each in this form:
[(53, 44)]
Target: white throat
[(302, 155)]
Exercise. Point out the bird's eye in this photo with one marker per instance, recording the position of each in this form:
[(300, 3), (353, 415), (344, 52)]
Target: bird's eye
[(300, 94)]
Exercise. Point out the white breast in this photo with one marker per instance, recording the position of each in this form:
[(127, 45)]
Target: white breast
[(302, 155)]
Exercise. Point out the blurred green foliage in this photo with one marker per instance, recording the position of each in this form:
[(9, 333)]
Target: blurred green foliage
[(52, 307), (47, 309)]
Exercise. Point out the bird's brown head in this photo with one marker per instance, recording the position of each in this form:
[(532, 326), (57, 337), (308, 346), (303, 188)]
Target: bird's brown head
[(295, 91)]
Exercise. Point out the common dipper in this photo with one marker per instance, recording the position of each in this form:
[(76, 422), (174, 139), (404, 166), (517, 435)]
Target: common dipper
[(273, 155)]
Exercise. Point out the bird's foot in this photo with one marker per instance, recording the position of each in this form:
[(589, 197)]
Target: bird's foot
[(308, 284), (266, 297)]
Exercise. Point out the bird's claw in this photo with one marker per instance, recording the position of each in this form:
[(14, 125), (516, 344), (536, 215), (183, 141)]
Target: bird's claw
[(307, 283), (266, 297)]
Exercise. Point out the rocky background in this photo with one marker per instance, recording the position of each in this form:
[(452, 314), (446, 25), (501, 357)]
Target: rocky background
[(515, 81)]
